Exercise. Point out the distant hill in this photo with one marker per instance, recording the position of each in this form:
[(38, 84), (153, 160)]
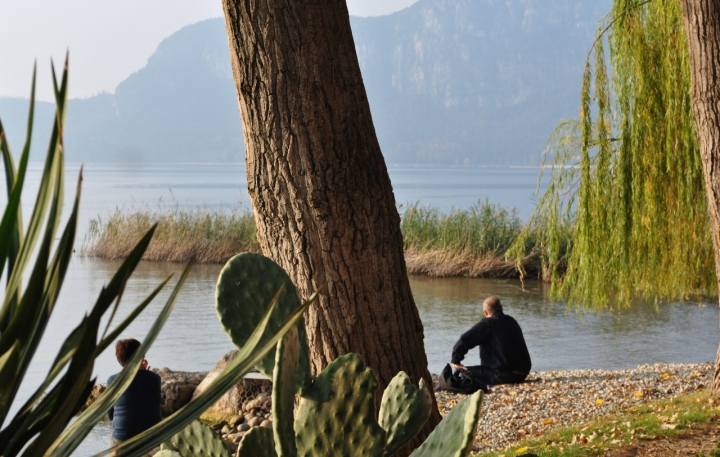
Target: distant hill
[(474, 82)]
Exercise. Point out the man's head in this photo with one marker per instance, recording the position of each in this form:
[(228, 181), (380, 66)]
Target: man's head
[(491, 305), (124, 350)]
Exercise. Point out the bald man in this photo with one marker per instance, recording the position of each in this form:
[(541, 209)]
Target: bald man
[(504, 357)]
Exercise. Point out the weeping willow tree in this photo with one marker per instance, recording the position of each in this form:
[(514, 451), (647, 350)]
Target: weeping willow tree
[(626, 189)]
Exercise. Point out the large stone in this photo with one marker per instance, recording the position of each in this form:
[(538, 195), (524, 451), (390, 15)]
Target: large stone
[(177, 388), (229, 407)]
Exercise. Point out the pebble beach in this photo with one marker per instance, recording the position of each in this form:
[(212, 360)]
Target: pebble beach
[(511, 413)]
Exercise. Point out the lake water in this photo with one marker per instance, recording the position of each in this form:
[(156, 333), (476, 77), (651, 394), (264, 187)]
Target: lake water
[(193, 340)]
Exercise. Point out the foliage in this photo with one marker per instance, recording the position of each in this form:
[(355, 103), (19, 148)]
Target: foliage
[(336, 411), (627, 181), (41, 425), (210, 236)]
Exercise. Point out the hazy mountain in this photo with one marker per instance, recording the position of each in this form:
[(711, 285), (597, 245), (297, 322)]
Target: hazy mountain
[(449, 81)]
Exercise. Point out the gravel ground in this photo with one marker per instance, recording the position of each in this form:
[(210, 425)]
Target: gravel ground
[(519, 411)]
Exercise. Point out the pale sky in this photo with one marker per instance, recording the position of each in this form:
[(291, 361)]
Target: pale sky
[(108, 40)]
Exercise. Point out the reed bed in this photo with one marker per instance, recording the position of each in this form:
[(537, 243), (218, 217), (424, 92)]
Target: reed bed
[(212, 236), (469, 242)]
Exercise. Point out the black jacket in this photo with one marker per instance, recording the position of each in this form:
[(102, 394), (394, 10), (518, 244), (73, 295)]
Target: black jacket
[(501, 341), (138, 408)]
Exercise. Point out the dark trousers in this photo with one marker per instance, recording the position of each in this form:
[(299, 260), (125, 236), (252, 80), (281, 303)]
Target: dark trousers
[(490, 377)]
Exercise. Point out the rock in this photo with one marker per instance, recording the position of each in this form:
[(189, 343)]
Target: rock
[(243, 428), (266, 423), (252, 404), (94, 395), (230, 406), (255, 421), (225, 430), (248, 416), (177, 388)]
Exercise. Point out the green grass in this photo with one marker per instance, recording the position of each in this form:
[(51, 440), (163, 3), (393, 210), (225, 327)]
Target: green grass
[(641, 423)]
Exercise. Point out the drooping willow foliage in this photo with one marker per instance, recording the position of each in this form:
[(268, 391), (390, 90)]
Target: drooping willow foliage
[(626, 184)]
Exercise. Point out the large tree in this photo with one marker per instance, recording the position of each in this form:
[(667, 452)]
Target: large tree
[(702, 27), (323, 202), (633, 209)]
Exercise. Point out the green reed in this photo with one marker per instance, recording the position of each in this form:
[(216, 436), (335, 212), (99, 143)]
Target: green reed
[(212, 236), (483, 229)]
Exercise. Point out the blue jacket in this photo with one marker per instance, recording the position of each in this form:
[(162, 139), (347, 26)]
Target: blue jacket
[(138, 408)]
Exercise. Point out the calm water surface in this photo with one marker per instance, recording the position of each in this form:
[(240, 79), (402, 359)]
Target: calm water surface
[(193, 340)]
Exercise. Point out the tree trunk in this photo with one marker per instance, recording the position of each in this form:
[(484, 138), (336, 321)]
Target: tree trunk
[(702, 28), (324, 206)]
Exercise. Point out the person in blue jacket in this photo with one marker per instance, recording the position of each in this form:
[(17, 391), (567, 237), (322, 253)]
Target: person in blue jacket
[(138, 408)]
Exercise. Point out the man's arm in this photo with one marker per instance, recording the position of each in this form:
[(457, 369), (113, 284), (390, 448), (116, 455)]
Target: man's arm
[(468, 340)]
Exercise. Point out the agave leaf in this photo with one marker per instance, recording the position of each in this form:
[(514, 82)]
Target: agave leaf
[(12, 178), (8, 371), (129, 319), (29, 319), (248, 356), (43, 200)]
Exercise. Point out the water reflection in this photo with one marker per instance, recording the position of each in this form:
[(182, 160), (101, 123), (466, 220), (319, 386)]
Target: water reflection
[(559, 338)]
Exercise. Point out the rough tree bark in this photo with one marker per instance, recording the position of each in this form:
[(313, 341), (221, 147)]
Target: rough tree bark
[(324, 206), (702, 28)]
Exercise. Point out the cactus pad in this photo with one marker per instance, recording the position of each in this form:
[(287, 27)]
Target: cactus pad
[(167, 453), (197, 439), (283, 395), (453, 437), (246, 287), (336, 415), (258, 442), (404, 410)]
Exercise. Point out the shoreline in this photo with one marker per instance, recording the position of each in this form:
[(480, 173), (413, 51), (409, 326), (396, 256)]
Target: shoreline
[(433, 264), (515, 412)]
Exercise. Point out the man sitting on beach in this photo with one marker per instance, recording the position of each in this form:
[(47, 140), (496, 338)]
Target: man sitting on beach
[(504, 357), (138, 408)]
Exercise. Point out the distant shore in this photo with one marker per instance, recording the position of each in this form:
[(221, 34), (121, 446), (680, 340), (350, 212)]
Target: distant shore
[(469, 243)]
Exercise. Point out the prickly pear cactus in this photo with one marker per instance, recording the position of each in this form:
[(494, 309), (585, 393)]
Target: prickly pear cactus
[(403, 411), (167, 453), (283, 395), (336, 415), (453, 437), (258, 442), (245, 288), (196, 440)]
